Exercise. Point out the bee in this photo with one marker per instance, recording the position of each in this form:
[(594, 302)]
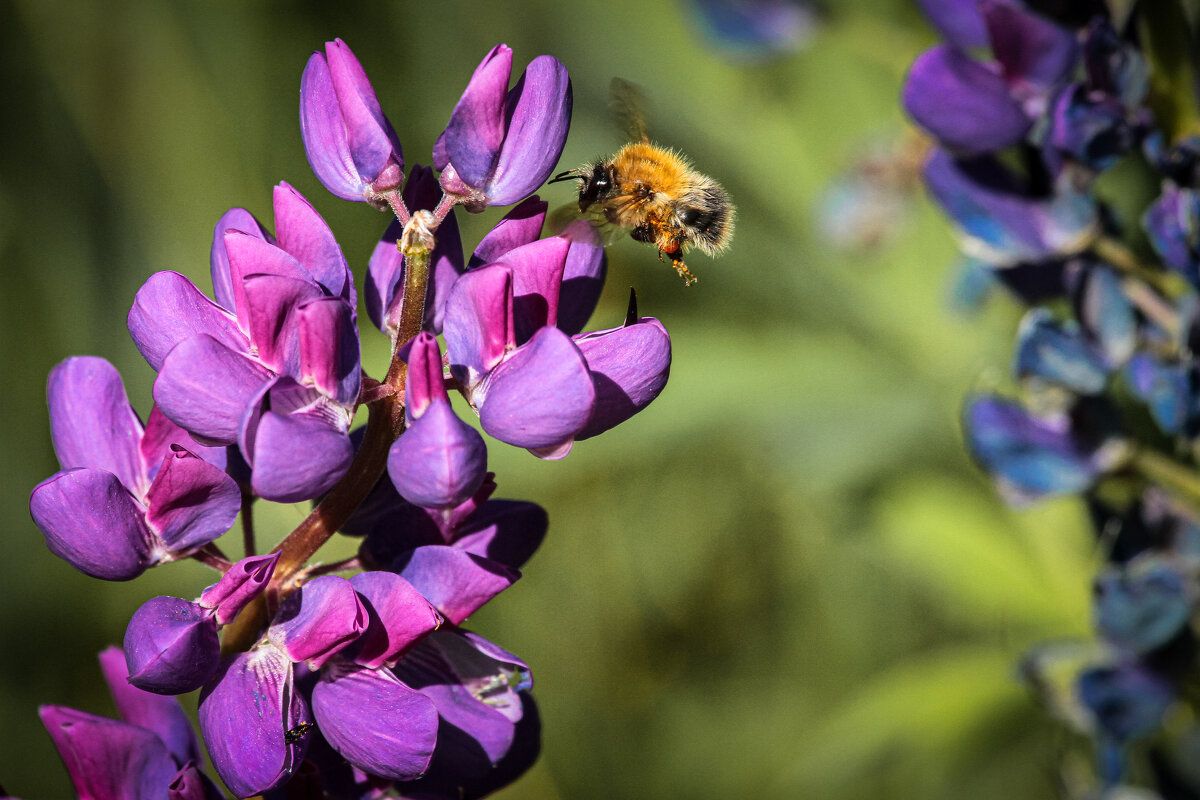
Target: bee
[(653, 192)]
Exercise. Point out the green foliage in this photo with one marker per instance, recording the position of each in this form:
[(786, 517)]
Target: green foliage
[(783, 579)]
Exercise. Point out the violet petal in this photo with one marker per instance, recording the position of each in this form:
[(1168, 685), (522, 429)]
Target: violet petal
[(1032, 50), (90, 521), (299, 456), (235, 219), (508, 531), (159, 713), (204, 387), (171, 646), (168, 309), (246, 711), (521, 225), (92, 423), (541, 396), (965, 105), (326, 143), (107, 759), (317, 620), (456, 582), (373, 144), (303, 234), (629, 367), (475, 133), (329, 354), (191, 502), (479, 326), (399, 616), (375, 721), (537, 270), (161, 435), (240, 584), (439, 461), (538, 112), (583, 277)]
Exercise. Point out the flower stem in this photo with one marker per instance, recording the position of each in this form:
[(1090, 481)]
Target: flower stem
[(385, 423), (1172, 476), (1121, 257)]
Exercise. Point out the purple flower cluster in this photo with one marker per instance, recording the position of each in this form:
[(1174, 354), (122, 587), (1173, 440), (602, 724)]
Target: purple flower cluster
[(309, 679), (1027, 112)]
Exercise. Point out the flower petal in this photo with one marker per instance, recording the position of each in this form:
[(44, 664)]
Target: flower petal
[(240, 584), (191, 502), (479, 325), (303, 234), (399, 616), (521, 225), (246, 711), (537, 270), (204, 388), (317, 620), (508, 531), (629, 367), (171, 646), (538, 112), (456, 582), (168, 309), (541, 396), (106, 759), (963, 103), (90, 521), (375, 721), (373, 145), (299, 456), (159, 713), (475, 133), (329, 350), (325, 140), (235, 219), (439, 461)]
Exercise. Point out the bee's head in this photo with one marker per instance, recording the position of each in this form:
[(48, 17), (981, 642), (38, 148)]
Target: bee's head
[(595, 183)]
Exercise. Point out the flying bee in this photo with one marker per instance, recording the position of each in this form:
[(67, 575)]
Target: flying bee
[(653, 192)]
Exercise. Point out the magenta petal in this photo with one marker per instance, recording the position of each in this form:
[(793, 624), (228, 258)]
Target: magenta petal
[(473, 138), (106, 759), (479, 326), (329, 355), (541, 396), (171, 646), (191, 502), (92, 423), (373, 145), (270, 301), (964, 104), (325, 141), (439, 461), (161, 434), (299, 456), (539, 116), (537, 270), (398, 615), (317, 620), (508, 531), (204, 388), (159, 713), (246, 711), (425, 382), (521, 225), (302, 233), (168, 309), (235, 219), (375, 721), (1032, 50), (629, 366), (90, 521), (240, 584), (250, 255), (458, 583)]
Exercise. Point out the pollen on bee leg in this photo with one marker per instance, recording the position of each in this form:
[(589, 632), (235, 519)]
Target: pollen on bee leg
[(682, 269)]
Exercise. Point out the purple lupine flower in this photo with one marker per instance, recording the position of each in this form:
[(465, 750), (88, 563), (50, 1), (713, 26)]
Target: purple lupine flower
[(255, 714), (1006, 221), (1142, 605), (273, 364), (973, 107), (1032, 456), (506, 350), (489, 731), (171, 644), (440, 461), (1057, 353), (128, 497), (500, 144), (756, 29), (1173, 225), (149, 754), (349, 142), (1168, 390)]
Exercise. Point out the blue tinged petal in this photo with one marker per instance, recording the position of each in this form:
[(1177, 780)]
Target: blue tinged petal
[(1165, 389), (1058, 354)]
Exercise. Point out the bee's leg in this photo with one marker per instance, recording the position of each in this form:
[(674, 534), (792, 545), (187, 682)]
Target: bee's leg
[(674, 250)]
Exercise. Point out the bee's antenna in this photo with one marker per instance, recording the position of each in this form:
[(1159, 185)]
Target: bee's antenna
[(564, 176)]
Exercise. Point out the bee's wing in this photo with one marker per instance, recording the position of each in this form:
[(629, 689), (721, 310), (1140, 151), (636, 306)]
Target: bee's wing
[(590, 226), (628, 104)]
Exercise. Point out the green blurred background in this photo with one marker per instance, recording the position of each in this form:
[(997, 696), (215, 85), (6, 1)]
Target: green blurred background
[(783, 580)]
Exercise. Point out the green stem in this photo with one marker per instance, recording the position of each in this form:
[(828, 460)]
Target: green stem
[(1124, 259), (1172, 476)]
